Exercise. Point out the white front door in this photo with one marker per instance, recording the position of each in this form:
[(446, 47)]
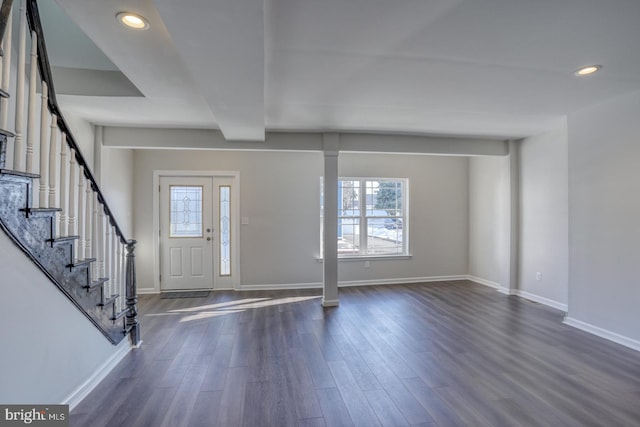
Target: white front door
[(186, 233)]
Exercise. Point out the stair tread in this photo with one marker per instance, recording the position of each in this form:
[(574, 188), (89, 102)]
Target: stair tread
[(81, 262), (96, 283), (120, 315), (17, 173), (108, 301), (7, 133), (62, 239), (38, 210), (4, 94)]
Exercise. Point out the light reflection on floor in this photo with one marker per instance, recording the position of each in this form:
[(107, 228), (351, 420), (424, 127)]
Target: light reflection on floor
[(229, 307)]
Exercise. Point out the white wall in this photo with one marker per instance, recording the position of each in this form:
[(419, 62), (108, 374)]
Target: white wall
[(489, 219), (82, 132), (48, 352), (604, 215), (280, 195), (438, 214), (115, 177), (544, 227)]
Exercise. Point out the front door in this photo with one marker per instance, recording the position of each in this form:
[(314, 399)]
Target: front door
[(186, 233)]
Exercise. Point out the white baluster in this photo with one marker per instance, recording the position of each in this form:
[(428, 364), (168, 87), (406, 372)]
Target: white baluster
[(6, 71), (123, 273), (121, 289), (18, 150), (73, 193), (89, 224), (107, 256), (112, 275), (63, 186), (53, 157), (31, 115), (98, 237), (81, 214), (44, 146)]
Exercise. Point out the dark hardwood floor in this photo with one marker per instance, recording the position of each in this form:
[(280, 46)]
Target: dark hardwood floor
[(434, 354)]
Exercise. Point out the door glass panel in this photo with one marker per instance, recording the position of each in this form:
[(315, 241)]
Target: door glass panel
[(225, 230), (186, 211)]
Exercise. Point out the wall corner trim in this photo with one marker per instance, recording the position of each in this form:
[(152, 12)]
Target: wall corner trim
[(103, 370), (603, 333), (485, 282), (542, 300)]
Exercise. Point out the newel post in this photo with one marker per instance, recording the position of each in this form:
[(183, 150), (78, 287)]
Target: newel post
[(132, 324)]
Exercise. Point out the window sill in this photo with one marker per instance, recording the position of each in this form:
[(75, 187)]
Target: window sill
[(370, 258)]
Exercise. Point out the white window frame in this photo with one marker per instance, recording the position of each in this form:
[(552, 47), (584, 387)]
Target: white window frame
[(362, 218)]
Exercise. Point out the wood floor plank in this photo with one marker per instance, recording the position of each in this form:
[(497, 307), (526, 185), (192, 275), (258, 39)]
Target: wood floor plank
[(334, 408), (233, 398), (320, 372), (438, 354), (384, 408), (361, 412), (304, 401), (205, 409)]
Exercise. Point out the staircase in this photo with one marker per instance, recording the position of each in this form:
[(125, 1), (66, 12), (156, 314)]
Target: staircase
[(50, 203)]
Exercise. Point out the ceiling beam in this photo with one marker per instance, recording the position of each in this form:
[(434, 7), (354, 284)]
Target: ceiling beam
[(222, 45)]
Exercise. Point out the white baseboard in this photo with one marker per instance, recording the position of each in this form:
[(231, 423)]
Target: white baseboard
[(330, 303), (343, 284), (523, 294), (144, 291), (507, 291), (542, 300), (603, 333), (485, 282), (403, 281), (280, 286), (81, 392)]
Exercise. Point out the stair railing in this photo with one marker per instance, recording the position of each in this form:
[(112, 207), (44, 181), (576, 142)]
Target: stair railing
[(65, 177)]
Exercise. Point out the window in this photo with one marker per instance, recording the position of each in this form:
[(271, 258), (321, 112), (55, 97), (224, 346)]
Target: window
[(372, 217), (186, 211), (225, 230)]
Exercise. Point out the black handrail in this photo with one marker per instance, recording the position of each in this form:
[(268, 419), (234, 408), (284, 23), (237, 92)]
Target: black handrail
[(33, 18)]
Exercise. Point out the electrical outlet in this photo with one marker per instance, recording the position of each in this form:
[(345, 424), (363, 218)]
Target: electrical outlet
[(367, 264), (538, 276)]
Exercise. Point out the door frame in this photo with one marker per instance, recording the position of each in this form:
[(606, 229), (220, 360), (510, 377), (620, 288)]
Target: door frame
[(235, 226)]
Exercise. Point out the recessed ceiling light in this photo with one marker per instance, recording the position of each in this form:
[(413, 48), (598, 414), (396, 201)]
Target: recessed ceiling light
[(132, 20), (585, 71)]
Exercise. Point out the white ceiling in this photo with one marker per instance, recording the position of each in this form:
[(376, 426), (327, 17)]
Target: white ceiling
[(495, 68)]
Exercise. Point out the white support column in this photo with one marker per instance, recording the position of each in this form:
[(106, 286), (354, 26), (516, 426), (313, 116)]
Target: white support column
[(44, 146), (64, 197), (330, 217), (31, 115), (53, 160), (100, 238), (81, 216), (18, 149), (514, 182), (73, 192), (6, 71)]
